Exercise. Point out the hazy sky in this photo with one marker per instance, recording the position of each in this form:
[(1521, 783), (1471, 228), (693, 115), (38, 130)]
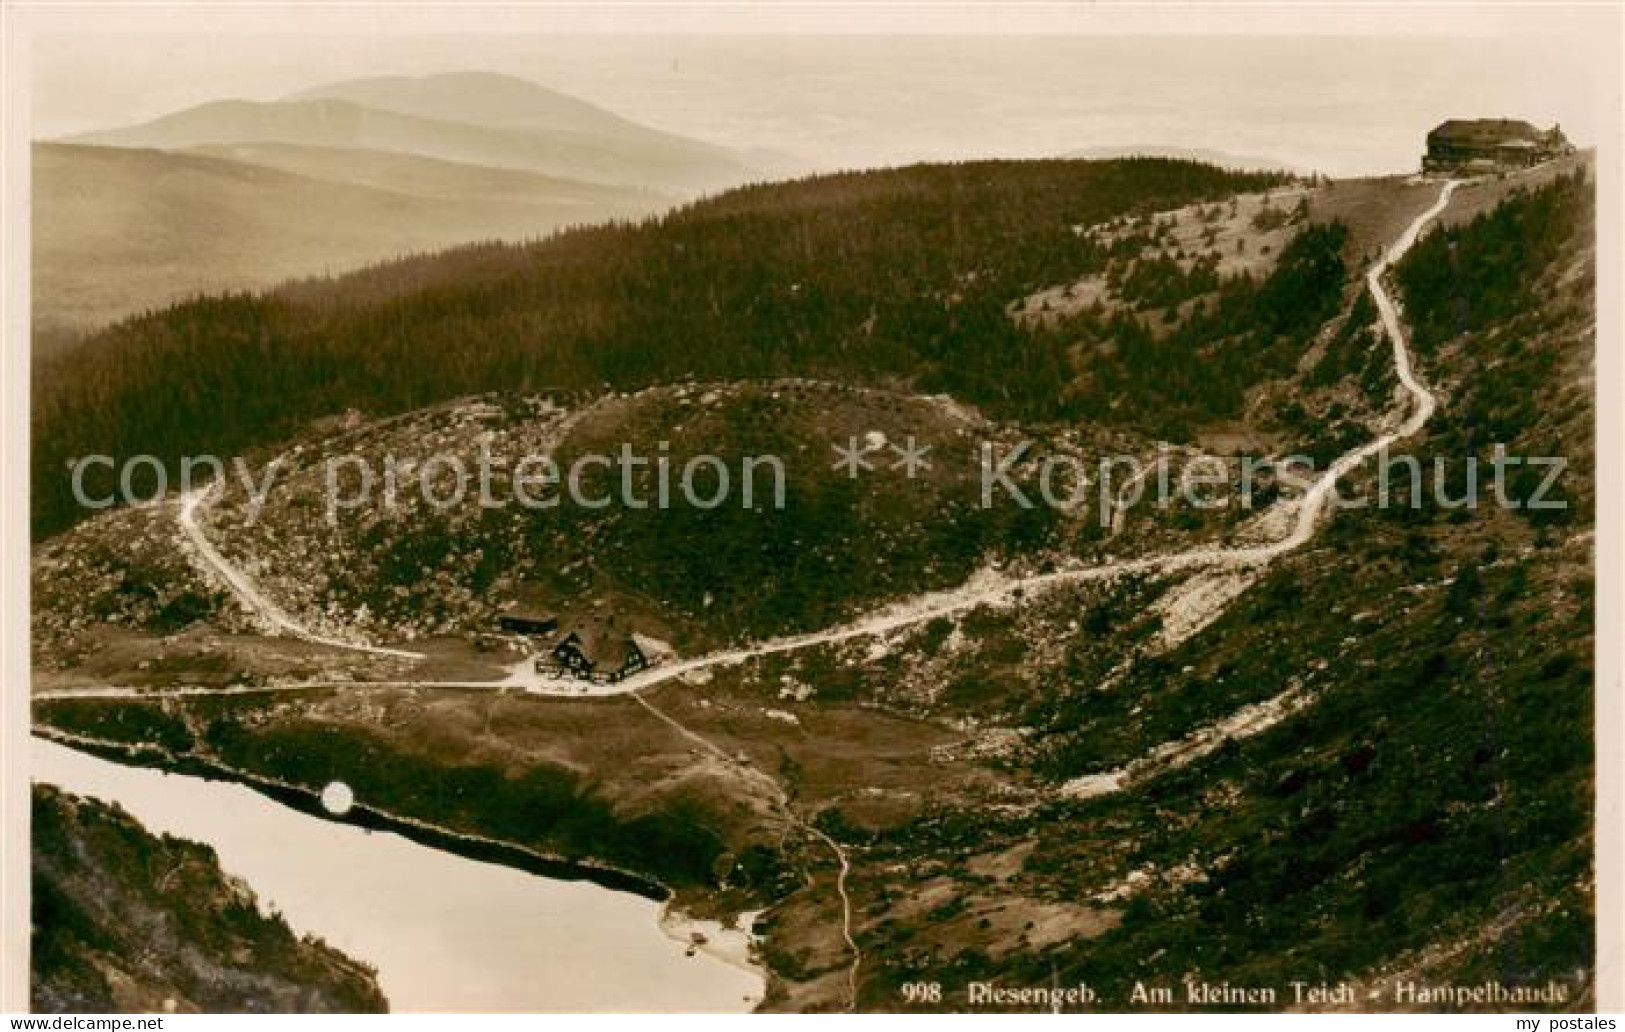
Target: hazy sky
[(1333, 92)]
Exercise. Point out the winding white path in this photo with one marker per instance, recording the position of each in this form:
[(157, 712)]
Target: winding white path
[(249, 594)]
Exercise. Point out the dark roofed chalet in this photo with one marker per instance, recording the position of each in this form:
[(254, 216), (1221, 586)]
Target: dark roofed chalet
[(597, 650), (1463, 144)]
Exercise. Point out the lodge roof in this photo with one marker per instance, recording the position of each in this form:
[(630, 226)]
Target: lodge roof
[(1482, 130), (603, 642)]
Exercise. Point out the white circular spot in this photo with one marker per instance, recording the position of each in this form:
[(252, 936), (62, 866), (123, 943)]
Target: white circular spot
[(338, 798)]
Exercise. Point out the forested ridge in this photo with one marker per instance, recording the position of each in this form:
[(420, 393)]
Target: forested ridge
[(1240, 332), (1465, 278), (893, 276)]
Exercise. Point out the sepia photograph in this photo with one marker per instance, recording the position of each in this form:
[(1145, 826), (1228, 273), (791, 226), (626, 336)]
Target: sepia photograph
[(811, 508)]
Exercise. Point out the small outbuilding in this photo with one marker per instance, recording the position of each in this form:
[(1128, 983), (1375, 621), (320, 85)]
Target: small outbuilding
[(532, 623)]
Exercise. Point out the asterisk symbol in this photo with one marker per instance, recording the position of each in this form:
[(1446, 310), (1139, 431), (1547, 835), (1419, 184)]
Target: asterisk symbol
[(853, 458), (912, 457)]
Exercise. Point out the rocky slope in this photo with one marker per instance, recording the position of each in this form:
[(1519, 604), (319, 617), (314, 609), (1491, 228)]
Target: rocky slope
[(124, 921)]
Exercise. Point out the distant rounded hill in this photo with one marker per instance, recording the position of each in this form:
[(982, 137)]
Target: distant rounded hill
[(479, 98), (694, 574), (476, 119)]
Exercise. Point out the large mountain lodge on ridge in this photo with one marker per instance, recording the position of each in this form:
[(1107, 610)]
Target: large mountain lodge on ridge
[(1487, 144)]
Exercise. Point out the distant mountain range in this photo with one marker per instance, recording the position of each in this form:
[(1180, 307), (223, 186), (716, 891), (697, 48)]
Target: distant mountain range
[(475, 118), (416, 175), (239, 194), (479, 98), (121, 230)]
